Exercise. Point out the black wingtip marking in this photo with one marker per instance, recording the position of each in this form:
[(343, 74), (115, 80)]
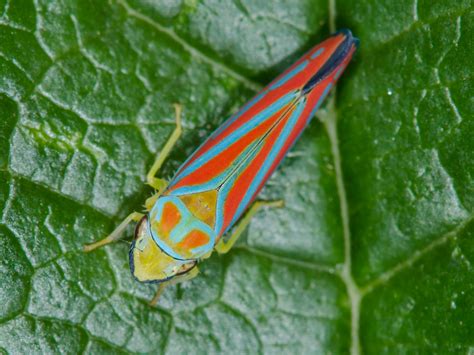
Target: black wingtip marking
[(333, 62)]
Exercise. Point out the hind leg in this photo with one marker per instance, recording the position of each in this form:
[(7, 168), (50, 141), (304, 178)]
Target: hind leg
[(222, 246)]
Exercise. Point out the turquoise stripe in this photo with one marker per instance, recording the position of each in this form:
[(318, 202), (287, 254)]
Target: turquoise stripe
[(187, 224), (193, 189), (158, 208), (224, 191), (320, 100), (236, 116), (186, 227), (338, 73), (289, 75), (221, 198), (278, 145), (237, 134), (221, 128), (217, 181), (317, 53)]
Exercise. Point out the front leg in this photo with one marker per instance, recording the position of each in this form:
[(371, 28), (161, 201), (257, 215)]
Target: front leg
[(116, 234), (150, 201), (175, 280), (161, 184)]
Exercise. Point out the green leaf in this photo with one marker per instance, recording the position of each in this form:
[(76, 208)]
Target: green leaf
[(374, 250)]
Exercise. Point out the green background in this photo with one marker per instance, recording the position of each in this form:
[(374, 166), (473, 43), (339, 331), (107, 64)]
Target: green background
[(374, 251)]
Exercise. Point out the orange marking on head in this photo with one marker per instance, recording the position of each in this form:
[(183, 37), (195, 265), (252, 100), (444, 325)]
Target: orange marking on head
[(194, 239), (170, 218)]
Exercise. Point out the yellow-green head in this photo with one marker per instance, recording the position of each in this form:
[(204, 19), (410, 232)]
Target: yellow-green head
[(148, 263)]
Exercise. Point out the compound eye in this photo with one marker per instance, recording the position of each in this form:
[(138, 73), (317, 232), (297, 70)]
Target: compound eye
[(141, 244), (141, 229)]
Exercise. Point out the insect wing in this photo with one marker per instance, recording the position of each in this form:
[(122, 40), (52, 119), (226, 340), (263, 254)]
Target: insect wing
[(239, 157)]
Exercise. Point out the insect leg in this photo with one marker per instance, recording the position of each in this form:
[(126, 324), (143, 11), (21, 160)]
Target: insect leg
[(116, 234), (222, 246), (176, 280), (156, 183), (150, 201)]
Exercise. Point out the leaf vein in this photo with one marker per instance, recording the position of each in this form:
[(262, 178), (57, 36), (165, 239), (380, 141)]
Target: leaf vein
[(192, 50), (385, 277), (287, 260)]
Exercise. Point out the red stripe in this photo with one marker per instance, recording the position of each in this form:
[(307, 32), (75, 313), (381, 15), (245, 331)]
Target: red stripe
[(312, 100), (218, 164), (272, 96), (223, 160), (243, 182)]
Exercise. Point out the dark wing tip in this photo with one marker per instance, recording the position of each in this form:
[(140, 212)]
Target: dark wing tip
[(337, 57), (349, 37)]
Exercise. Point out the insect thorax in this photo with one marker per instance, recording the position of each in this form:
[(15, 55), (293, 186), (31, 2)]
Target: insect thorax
[(183, 226)]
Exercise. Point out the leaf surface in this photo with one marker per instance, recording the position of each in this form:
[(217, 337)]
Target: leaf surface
[(374, 249)]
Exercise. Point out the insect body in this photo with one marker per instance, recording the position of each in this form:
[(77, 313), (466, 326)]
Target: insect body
[(188, 216)]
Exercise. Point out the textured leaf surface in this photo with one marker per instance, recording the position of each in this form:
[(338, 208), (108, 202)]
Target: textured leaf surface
[(374, 250)]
